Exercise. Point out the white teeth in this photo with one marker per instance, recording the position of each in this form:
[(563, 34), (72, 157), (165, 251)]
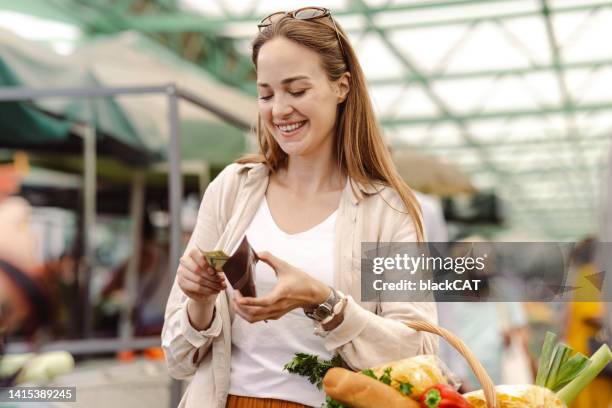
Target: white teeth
[(290, 128)]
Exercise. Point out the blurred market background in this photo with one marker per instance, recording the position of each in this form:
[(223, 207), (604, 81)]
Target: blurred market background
[(498, 111)]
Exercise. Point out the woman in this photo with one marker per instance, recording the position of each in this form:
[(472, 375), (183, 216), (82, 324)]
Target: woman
[(322, 184)]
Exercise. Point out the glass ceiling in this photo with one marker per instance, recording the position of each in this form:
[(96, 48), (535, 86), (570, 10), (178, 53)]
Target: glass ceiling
[(517, 93)]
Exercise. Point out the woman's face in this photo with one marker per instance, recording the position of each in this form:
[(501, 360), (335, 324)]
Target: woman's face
[(297, 102)]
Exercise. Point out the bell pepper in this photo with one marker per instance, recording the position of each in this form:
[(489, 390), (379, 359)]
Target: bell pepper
[(443, 396)]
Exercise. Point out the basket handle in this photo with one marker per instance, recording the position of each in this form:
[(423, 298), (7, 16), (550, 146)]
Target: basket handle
[(485, 381)]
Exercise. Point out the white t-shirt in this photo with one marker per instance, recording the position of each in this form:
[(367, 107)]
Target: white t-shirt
[(260, 350)]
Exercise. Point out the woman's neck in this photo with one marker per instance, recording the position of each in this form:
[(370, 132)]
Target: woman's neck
[(306, 175)]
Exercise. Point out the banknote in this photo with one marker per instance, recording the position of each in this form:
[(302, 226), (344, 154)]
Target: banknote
[(216, 259)]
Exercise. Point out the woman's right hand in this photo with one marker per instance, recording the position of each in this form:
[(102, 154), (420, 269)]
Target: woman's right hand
[(197, 279)]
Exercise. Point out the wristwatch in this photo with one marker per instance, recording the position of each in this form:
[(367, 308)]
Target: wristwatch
[(323, 311)]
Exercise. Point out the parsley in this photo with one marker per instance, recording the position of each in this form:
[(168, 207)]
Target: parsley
[(385, 378), (312, 367), (331, 403), (406, 388), (369, 373)]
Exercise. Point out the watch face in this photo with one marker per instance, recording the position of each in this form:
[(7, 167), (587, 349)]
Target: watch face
[(323, 311)]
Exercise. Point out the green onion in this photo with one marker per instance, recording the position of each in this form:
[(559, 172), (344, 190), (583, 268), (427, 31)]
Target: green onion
[(598, 362)]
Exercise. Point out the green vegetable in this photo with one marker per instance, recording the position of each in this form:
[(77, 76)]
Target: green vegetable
[(385, 378), (570, 370), (311, 366), (544, 364), (598, 362), (406, 388), (369, 373), (557, 364), (331, 403), (568, 374), (314, 368), (560, 356)]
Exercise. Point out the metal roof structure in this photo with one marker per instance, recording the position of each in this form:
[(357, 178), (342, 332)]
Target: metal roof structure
[(518, 93)]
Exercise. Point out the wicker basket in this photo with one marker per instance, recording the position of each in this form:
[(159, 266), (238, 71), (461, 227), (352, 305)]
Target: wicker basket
[(485, 381)]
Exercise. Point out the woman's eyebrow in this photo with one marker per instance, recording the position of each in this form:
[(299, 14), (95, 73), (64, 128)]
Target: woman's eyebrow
[(284, 81)]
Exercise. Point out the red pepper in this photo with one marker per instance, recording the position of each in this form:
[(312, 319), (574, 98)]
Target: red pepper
[(443, 396)]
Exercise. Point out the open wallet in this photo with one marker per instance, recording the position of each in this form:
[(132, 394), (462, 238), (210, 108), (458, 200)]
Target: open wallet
[(240, 269)]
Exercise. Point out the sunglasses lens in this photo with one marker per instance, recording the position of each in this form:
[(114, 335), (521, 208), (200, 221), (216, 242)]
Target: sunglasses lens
[(271, 19), (308, 13)]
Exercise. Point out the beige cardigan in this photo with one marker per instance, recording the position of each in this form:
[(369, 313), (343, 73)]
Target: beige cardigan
[(371, 333)]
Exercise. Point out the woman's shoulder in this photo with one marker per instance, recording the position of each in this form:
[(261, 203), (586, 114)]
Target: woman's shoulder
[(383, 209), (383, 196)]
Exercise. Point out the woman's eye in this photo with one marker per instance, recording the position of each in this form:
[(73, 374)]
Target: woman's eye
[(265, 98), (298, 93)]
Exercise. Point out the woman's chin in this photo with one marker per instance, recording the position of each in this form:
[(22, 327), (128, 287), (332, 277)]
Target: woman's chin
[(294, 148), (293, 152)]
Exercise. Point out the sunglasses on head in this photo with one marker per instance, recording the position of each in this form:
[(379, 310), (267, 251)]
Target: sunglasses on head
[(305, 13)]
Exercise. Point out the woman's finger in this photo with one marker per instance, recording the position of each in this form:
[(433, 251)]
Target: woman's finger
[(198, 257), (274, 262), (201, 281), (190, 264), (203, 278)]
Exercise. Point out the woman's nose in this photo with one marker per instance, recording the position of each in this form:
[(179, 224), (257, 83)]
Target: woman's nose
[(281, 108)]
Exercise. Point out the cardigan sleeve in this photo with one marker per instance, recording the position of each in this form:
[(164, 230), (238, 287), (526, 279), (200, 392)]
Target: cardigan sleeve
[(184, 346), (365, 339)]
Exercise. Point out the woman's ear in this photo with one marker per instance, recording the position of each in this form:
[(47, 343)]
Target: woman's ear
[(343, 86)]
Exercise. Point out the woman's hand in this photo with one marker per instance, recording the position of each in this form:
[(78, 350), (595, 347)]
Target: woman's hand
[(197, 279), (295, 288)]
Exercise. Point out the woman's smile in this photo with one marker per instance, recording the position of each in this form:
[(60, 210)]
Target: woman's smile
[(290, 129)]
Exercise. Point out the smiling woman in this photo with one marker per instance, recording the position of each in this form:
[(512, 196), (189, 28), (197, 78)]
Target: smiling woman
[(322, 183)]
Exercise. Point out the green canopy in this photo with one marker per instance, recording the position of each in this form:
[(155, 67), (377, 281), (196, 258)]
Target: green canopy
[(138, 123), (145, 62), (24, 63)]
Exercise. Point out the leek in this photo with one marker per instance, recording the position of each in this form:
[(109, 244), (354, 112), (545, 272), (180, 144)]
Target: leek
[(570, 370), (545, 358), (560, 356), (598, 362)]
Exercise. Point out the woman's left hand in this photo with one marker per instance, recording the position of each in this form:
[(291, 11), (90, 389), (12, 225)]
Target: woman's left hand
[(294, 288)]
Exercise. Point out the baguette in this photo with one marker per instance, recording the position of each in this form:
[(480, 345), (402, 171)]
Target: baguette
[(356, 390)]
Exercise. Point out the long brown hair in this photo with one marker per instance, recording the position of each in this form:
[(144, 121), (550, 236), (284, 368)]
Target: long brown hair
[(359, 147)]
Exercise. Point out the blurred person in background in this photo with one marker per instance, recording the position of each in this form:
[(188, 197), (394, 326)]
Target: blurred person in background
[(153, 283), (324, 175), (25, 302), (584, 322)]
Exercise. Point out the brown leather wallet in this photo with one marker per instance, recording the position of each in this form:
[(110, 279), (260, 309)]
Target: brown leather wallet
[(240, 269)]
